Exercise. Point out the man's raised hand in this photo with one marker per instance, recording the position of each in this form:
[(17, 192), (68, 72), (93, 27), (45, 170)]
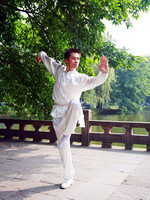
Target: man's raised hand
[(104, 65), (38, 58)]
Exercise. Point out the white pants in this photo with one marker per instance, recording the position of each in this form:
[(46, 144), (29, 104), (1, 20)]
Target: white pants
[(66, 126)]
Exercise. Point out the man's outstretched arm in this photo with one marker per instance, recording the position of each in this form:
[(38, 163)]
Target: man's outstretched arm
[(51, 65), (88, 83)]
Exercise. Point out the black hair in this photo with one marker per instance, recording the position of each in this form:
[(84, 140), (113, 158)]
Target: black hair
[(69, 51)]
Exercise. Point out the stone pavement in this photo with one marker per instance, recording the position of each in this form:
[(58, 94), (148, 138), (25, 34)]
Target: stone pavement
[(34, 172)]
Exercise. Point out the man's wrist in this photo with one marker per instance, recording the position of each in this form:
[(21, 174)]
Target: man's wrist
[(41, 53)]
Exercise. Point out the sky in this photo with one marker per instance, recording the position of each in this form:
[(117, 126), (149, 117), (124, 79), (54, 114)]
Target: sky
[(136, 39)]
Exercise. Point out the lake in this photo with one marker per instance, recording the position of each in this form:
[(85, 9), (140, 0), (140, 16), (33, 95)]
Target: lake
[(143, 116)]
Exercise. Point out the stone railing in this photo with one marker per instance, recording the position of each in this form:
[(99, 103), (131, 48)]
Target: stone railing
[(23, 129), (13, 129)]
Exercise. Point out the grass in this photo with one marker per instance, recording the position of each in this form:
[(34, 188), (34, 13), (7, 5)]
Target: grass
[(120, 145)]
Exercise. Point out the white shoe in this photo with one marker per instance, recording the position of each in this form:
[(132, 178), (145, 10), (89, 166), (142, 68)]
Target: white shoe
[(67, 183), (64, 141)]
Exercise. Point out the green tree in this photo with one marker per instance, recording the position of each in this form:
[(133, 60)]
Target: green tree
[(103, 91), (29, 26), (131, 87)]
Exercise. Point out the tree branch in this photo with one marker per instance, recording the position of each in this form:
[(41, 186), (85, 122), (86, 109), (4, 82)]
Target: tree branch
[(15, 8)]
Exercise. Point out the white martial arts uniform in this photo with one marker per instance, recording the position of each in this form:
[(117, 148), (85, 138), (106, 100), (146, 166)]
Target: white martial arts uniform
[(67, 110)]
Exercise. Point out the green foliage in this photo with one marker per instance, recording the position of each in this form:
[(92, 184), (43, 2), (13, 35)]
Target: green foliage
[(103, 91), (4, 108), (25, 86), (131, 87), (29, 26), (89, 97), (118, 58)]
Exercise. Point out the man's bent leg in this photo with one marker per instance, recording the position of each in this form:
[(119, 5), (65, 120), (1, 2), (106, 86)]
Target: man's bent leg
[(65, 139), (68, 123), (72, 116)]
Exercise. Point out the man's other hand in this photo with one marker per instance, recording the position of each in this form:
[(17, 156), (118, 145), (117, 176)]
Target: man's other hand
[(104, 65), (38, 58)]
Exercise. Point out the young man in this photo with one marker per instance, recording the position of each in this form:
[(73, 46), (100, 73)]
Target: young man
[(67, 110)]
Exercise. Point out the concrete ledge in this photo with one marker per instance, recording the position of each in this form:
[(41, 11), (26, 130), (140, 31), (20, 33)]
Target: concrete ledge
[(34, 172)]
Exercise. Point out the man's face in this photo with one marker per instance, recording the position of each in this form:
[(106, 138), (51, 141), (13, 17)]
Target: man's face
[(73, 61)]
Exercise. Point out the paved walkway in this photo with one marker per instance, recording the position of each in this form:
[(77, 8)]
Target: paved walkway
[(34, 172)]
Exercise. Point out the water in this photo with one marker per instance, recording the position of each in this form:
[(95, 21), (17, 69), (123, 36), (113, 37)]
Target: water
[(143, 116)]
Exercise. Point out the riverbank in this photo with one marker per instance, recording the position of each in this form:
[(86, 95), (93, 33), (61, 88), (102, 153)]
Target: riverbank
[(109, 111)]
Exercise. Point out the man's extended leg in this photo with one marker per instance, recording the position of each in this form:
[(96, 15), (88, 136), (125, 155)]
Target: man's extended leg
[(66, 157)]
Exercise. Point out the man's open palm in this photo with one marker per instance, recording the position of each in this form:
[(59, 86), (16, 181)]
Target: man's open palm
[(38, 58), (104, 65)]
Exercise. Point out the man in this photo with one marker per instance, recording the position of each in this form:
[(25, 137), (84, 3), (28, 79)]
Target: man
[(67, 110)]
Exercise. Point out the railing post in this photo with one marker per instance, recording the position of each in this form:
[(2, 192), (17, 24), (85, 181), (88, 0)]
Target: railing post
[(85, 138), (128, 138), (148, 145), (36, 137), (21, 129), (8, 125), (106, 143), (53, 138)]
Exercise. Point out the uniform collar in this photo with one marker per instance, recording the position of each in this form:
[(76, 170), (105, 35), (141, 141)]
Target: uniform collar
[(72, 71)]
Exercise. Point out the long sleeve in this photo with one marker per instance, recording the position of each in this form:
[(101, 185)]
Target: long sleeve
[(88, 83), (51, 65)]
